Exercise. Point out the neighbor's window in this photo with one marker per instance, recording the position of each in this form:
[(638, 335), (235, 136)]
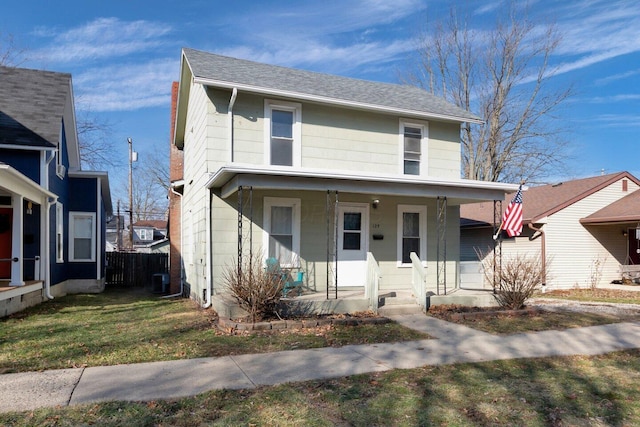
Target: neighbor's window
[(282, 230), (283, 133), (412, 233), (82, 236), (413, 148)]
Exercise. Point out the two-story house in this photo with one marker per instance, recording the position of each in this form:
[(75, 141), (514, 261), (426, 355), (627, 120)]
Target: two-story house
[(52, 213), (340, 178)]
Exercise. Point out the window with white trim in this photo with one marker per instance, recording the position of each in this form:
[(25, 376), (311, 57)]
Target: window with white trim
[(82, 236), (412, 233), (413, 148), (282, 230), (282, 133), (59, 232)]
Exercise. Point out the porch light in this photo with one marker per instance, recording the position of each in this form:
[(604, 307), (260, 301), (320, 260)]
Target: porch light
[(376, 202), (29, 207)]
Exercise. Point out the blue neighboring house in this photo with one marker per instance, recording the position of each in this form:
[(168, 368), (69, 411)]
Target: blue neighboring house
[(52, 213)]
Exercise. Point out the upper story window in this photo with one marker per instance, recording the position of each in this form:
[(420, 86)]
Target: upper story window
[(413, 146), (282, 133)]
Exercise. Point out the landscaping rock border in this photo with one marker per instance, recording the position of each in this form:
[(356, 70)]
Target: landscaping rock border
[(227, 324)]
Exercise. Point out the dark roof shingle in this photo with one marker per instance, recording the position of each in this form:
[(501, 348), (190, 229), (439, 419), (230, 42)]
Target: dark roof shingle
[(32, 105), (267, 77)]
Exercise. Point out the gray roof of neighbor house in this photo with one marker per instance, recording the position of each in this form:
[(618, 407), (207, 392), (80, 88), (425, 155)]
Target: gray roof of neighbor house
[(545, 200), (32, 104), (222, 71)]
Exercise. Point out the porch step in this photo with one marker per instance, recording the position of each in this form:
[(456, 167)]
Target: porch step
[(392, 303), (394, 309)]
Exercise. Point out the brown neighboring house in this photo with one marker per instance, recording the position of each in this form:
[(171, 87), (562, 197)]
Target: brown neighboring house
[(584, 228)]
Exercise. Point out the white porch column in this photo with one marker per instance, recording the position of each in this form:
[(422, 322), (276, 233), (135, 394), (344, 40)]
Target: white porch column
[(17, 202)]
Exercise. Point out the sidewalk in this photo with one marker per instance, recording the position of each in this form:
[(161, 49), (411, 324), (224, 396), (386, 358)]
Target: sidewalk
[(166, 380)]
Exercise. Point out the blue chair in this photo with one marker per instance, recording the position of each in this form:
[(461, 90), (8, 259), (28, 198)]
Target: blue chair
[(289, 284)]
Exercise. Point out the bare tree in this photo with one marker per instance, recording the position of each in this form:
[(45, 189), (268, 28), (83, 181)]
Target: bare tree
[(10, 54), (503, 76), (150, 199), (156, 168), (95, 141)]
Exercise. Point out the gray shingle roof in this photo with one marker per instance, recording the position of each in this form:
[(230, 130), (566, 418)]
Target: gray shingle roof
[(270, 78), (32, 106)]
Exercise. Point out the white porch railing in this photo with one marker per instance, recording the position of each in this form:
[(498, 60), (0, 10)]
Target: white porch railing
[(372, 286), (419, 281)]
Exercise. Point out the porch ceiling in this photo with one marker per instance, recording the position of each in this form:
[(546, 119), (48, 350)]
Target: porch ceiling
[(13, 182), (228, 178)]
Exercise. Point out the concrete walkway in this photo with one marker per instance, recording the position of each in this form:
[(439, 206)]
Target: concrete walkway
[(165, 380)]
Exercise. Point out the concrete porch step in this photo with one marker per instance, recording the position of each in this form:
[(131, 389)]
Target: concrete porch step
[(395, 309), (397, 302)]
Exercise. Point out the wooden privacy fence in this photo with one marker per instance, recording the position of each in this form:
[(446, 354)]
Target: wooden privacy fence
[(131, 269)]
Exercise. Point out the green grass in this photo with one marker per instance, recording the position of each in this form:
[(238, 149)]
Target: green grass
[(131, 327), (567, 391)]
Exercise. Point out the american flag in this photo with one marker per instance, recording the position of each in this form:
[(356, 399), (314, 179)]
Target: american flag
[(512, 218)]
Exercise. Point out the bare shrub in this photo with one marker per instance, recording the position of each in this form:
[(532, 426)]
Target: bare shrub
[(515, 278), (256, 290), (597, 264)]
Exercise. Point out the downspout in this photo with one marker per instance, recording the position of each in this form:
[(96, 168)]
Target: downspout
[(45, 255), (232, 101), (181, 240), (209, 267), (45, 260), (543, 252)]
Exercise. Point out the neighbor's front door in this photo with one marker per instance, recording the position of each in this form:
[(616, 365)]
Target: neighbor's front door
[(353, 243), (6, 224)]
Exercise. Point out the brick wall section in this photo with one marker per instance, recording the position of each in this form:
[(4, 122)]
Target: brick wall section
[(175, 213)]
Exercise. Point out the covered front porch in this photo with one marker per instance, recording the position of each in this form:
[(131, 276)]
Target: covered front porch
[(363, 240), (24, 225)]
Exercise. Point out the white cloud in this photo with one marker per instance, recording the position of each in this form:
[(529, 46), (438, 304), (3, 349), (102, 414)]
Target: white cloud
[(596, 31), (102, 38), (126, 87)]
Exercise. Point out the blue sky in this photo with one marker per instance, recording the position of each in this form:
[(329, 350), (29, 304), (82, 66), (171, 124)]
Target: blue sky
[(123, 56)]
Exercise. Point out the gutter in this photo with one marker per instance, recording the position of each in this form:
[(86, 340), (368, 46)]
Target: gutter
[(47, 235), (209, 283), (543, 252), (173, 190), (232, 101), (334, 101)]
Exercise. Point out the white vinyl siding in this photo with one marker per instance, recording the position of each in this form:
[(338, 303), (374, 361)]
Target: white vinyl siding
[(82, 236)]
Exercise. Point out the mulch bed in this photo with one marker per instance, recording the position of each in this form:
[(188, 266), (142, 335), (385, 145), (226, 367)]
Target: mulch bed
[(455, 312), (245, 325)]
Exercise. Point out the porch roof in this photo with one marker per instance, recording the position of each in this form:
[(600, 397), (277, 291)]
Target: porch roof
[(13, 182), (228, 178), (625, 210)]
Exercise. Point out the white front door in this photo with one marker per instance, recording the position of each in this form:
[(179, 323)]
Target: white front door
[(353, 243)]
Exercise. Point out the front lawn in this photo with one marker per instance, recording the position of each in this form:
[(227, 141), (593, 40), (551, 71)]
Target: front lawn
[(563, 391), (129, 326)]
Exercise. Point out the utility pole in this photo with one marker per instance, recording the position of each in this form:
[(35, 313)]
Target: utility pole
[(130, 193), (118, 230)]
